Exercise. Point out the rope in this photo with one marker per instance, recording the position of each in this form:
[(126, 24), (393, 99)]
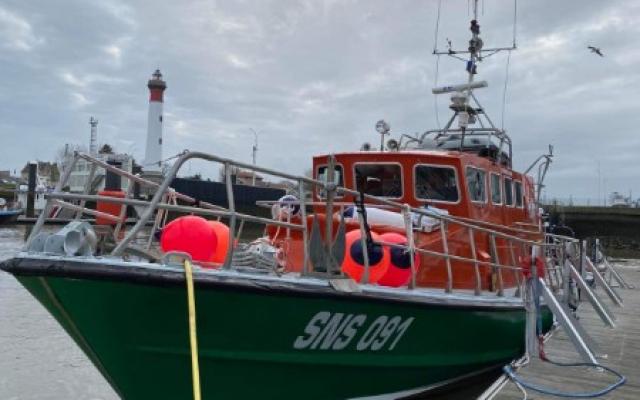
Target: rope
[(193, 334), (506, 84)]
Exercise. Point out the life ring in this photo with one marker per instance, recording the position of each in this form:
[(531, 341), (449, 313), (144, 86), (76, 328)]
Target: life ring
[(525, 264)]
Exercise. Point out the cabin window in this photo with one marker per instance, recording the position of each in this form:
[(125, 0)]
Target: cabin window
[(338, 177), (496, 189), (380, 179), (517, 187), (476, 184), (436, 183), (508, 191)]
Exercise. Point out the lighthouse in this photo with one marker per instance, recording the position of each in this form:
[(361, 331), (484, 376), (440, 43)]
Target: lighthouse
[(93, 143), (153, 153)]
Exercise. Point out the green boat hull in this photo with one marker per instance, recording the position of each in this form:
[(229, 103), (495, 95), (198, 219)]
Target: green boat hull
[(265, 339)]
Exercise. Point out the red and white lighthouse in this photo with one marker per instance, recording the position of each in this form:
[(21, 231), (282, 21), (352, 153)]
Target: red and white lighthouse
[(153, 153)]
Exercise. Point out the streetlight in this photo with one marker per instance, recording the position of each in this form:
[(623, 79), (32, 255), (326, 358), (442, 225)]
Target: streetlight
[(255, 150)]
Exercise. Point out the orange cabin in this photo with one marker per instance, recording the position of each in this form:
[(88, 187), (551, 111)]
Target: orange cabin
[(462, 184)]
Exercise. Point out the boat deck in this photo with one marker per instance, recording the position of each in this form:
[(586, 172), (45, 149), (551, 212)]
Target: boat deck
[(621, 346)]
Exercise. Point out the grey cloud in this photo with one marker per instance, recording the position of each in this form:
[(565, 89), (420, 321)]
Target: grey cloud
[(314, 76)]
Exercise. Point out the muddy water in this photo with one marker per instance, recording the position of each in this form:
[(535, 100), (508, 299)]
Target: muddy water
[(38, 361)]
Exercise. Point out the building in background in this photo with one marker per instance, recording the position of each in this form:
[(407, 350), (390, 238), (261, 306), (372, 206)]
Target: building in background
[(82, 171), (48, 174)]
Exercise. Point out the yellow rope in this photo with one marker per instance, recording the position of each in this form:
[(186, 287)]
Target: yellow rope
[(193, 335)]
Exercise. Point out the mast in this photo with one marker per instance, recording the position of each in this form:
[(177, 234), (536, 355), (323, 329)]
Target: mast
[(467, 109), (475, 44)]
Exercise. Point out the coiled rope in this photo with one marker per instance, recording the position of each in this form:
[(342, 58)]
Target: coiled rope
[(193, 333)]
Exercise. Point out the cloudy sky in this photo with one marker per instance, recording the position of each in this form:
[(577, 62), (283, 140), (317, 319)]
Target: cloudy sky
[(314, 76)]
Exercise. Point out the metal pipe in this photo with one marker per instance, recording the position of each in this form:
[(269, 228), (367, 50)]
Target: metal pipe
[(408, 226), (123, 212), (445, 249), (365, 252), (251, 218), (305, 233), (328, 235), (515, 273), (240, 228), (232, 219), (476, 267), (605, 315), (157, 220), (186, 156), (608, 289), (496, 259), (567, 324), (171, 207), (87, 188), (142, 221), (616, 275), (85, 210), (531, 297), (451, 218), (142, 181), (489, 50)]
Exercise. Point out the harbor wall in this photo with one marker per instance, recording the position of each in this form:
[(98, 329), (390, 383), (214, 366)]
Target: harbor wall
[(617, 228)]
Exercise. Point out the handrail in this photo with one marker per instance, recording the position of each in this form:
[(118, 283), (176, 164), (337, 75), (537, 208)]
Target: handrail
[(158, 202), (165, 206), (269, 203), (142, 181)]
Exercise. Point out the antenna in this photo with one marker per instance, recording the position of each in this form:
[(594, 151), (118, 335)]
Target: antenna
[(479, 51), (254, 153), (383, 128), (93, 143)]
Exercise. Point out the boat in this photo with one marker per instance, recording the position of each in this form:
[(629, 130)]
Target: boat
[(9, 213), (304, 312), (618, 200)]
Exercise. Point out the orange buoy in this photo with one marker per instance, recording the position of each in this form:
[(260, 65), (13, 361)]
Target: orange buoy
[(222, 234), (192, 235), (353, 264), (399, 271)]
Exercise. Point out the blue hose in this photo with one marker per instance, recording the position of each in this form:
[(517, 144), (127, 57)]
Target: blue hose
[(552, 392)]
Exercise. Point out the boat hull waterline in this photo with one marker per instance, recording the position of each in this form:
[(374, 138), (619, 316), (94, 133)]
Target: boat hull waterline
[(9, 216), (262, 338)]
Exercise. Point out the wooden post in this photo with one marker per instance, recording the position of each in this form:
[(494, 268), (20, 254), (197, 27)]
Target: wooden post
[(31, 188)]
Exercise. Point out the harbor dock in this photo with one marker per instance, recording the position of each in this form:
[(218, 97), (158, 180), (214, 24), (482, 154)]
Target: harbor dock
[(617, 348)]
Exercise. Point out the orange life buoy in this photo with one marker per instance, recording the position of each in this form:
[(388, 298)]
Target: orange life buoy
[(525, 264)]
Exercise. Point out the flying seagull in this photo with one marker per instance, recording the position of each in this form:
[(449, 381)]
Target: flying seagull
[(595, 50)]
